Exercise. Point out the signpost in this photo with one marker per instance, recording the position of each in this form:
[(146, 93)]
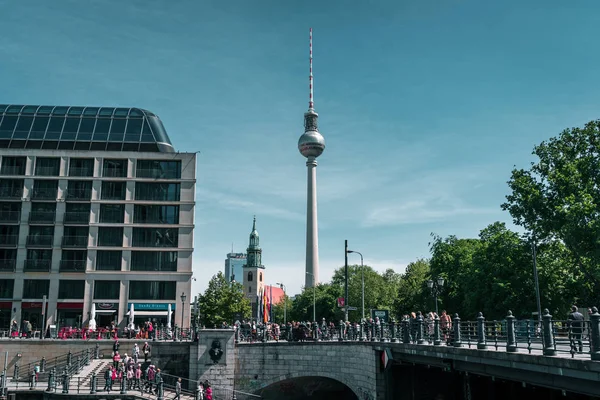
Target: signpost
[(383, 315)]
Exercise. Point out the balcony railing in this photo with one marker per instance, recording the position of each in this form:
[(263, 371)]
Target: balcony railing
[(75, 241), (44, 194), (7, 265), (42, 217), (72, 265), (79, 194), (114, 172), (40, 240), (6, 170), (11, 193), (10, 217), (77, 217), (88, 172), (37, 265), (9, 240), (156, 173), (47, 171)]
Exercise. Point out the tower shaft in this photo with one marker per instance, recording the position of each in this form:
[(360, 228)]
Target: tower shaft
[(312, 228)]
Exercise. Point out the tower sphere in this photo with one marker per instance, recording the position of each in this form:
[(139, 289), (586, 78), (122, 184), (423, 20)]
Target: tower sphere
[(311, 143)]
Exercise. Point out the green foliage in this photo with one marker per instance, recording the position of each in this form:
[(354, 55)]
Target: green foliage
[(325, 298), (221, 301), (412, 294), (278, 314), (559, 198)]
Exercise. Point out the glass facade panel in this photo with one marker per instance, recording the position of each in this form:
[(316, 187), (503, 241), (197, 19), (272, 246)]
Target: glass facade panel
[(157, 191), (7, 127), (6, 288), (70, 129), (8, 260), (112, 213), (154, 214), (79, 190), (13, 165), (71, 289), (38, 130), (11, 189), (44, 189), (23, 127), (109, 260), (155, 237), (154, 261), (77, 213), (9, 235), (102, 127), (73, 261), (10, 212), (115, 168), (113, 190), (110, 236), (55, 128), (47, 166), (42, 213), (158, 169), (152, 290), (81, 167), (108, 290), (35, 288)]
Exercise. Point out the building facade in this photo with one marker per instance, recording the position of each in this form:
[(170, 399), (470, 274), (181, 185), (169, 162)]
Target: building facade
[(254, 271), (96, 212), (234, 265)]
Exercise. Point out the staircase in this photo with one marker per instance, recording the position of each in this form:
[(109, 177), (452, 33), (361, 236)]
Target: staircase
[(85, 375)]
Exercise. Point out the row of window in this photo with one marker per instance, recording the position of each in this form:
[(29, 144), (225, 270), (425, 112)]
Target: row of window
[(82, 190), (40, 260), (103, 290), (50, 166), (77, 236), (45, 213)]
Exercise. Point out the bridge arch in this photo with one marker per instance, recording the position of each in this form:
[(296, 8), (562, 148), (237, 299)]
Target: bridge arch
[(307, 382)]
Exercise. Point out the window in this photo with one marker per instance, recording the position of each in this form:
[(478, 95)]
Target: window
[(9, 235), (73, 261), (42, 213), (6, 288), (77, 213), (249, 289), (112, 213), (108, 290), (79, 190), (46, 166), (152, 290), (157, 191), (13, 165), (35, 288), (23, 127), (113, 190), (10, 212), (38, 130), (75, 236), (11, 188), (155, 237), (71, 289), (154, 261), (8, 259), (110, 236), (81, 167), (8, 126), (108, 260), (55, 128), (39, 254), (154, 214), (41, 236), (260, 277), (250, 277), (44, 189), (115, 168), (158, 169), (70, 129)]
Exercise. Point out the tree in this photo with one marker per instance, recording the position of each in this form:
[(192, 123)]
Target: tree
[(221, 302), (325, 295), (278, 314), (411, 295), (559, 197)]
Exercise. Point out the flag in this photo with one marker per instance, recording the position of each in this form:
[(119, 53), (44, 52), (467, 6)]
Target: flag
[(265, 307)]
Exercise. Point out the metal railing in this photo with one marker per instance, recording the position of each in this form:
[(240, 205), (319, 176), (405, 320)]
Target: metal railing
[(47, 171), (9, 240), (11, 193), (10, 170), (44, 217), (37, 265), (44, 194), (114, 172), (81, 171), (72, 265), (75, 241), (79, 194), (40, 240), (10, 216), (8, 265), (77, 217), (156, 173), (550, 337)]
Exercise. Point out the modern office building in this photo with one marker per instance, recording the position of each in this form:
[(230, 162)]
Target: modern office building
[(234, 264), (96, 212)]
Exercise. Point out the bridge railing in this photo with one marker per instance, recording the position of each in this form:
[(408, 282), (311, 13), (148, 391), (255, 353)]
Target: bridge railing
[(548, 337)]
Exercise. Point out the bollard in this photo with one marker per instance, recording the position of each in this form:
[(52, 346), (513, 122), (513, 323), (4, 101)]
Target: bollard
[(69, 358), (2, 384), (341, 333), (161, 393), (51, 376), (393, 328), (78, 363), (234, 398), (124, 384), (97, 352), (94, 383), (406, 331), (16, 371), (437, 337), (316, 331), (237, 334), (547, 334), (65, 382), (32, 380), (481, 345), (420, 339), (511, 340), (372, 331), (381, 331), (197, 393), (457, 339), (87, 356), (43, 364), (595, 334)]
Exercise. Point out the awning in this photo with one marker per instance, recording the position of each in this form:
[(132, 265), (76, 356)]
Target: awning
[(105, 311), (149, 313)]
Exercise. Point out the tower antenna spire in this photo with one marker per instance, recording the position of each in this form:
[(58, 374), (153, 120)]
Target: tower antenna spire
[(311, 104)]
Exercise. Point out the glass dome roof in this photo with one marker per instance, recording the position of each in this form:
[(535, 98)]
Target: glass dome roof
[(82, 128)]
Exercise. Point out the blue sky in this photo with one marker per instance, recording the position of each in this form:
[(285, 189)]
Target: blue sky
[(425, 107)]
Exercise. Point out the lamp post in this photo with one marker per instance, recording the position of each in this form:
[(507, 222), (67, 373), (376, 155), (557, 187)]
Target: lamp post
[(362, 271), (436, 287), (183, 297), (282, 286), (536, 281), (314, 297)]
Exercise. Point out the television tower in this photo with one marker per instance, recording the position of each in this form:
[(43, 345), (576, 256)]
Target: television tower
[(311, 145)]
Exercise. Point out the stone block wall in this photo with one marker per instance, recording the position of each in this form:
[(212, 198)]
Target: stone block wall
[(213, 359)]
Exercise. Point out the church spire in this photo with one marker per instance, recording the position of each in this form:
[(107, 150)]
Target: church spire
[(254, 256)]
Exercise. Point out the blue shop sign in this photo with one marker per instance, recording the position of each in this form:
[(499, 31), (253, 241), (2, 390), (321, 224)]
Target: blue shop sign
[(151, 307)]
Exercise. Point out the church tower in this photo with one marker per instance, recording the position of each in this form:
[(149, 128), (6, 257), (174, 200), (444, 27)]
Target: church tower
[(254, 271)]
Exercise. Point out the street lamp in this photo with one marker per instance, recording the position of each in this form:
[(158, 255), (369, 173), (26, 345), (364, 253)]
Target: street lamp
[(436, 287), (183, 297), (362, 270), (282, 286), (314, 297)]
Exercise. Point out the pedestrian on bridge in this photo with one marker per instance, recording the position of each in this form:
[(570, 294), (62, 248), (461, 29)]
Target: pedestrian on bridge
[(576, 326), (177, 390)]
